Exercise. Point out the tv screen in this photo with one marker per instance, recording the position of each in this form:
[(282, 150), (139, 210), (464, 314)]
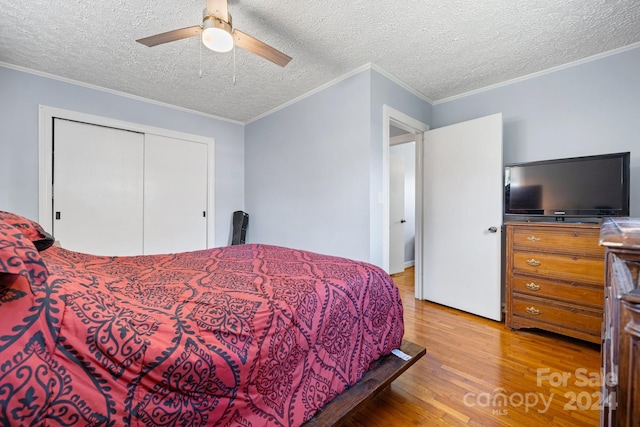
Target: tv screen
[(592, 186)]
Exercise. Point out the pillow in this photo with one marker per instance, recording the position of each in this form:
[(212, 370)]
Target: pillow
[(18, 255), (31, 229)]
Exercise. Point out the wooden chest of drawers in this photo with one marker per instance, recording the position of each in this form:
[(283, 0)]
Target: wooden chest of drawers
[(620, 353), (555, 278)]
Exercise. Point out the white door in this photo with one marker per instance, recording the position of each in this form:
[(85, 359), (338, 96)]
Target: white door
[(175, 195), (462, 216), (396, 214), (97, 188)]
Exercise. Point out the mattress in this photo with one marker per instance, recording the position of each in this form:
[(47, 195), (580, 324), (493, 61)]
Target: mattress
[(246, 335)]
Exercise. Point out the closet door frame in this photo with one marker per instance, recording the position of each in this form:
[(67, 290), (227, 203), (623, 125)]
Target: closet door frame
[(46, 115)]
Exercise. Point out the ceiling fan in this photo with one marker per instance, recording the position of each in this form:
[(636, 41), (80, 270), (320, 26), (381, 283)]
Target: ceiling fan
[(218, 34)]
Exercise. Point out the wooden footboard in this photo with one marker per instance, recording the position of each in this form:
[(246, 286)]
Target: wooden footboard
[(382, 373)]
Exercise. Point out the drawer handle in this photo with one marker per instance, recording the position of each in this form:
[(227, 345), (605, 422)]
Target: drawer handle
[(532, 310), (533, 262), (532, 286), (533, 239)]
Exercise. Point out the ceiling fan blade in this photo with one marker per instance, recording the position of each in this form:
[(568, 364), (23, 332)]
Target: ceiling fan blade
[(254, 45), (218, 8), (171, 36)]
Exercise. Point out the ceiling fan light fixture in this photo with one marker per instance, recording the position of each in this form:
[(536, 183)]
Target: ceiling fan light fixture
[(216, 34)]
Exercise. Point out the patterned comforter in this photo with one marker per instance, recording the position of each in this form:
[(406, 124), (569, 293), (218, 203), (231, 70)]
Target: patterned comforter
[(249, 335)]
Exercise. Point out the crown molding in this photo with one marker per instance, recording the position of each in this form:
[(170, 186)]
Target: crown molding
[(311, 92), (401, 84), (115, 92), (368, 66), (540, 73), (365, 67)]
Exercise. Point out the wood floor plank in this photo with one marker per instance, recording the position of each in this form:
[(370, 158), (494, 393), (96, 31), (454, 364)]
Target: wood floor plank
[(471, 362)]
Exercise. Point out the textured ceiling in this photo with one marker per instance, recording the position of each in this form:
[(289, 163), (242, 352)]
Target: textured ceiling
[(438, 48)]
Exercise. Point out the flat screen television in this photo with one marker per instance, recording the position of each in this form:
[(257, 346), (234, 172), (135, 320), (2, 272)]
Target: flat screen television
[(591, 186)]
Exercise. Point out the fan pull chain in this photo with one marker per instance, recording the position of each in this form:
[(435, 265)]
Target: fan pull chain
[(200, 44), (200, 48), (234, 64)]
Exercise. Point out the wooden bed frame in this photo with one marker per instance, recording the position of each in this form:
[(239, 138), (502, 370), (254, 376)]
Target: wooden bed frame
[(382, 373)]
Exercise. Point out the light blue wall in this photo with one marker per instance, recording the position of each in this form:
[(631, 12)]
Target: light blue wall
[(309, 175), (307, 172), (590, 108), (314, 168), (22, 92)]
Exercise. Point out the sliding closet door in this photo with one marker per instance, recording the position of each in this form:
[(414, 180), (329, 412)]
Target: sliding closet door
[(175, 195), (97, 188)]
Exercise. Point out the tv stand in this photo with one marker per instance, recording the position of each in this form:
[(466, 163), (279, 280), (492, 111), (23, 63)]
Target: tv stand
[(555, 278)]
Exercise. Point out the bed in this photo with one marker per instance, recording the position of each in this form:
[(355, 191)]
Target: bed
[(246, 335)]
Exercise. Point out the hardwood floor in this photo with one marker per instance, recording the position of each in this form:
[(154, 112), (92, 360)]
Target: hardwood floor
[(477, 372)]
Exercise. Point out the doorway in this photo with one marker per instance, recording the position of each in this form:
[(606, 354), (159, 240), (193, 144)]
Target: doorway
[(401, 200), (412, 130), (467, 156)]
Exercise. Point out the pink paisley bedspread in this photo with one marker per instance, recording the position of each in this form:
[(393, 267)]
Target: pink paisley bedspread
[(248, 335)]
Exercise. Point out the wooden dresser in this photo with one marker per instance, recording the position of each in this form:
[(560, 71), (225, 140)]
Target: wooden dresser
[(555, 278), (621, 337)]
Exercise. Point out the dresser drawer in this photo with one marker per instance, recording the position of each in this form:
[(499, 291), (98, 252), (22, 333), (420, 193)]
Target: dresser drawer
[(555, 278), (558, 239), (573, 292), (559, 266), (565, 316)]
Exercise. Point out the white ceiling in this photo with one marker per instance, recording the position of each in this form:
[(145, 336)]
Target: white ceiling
[(439, 48)]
